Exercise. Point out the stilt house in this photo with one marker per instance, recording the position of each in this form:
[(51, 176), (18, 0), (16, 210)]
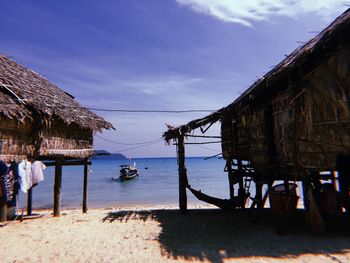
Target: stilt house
[(291, 124), (39, 120)]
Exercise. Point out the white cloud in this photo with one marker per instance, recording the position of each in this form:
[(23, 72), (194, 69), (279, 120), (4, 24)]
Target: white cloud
[(245, 12)]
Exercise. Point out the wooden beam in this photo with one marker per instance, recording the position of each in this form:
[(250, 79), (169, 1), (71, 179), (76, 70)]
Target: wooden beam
[(86, 173), (57, 188), (67, 163), (182, 174), (29, 201)]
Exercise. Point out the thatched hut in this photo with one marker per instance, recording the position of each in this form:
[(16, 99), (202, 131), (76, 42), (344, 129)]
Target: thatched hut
[(39, 120), (291, 124)]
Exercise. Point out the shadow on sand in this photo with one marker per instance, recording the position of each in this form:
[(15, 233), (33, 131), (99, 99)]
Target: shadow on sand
[(216, 235)]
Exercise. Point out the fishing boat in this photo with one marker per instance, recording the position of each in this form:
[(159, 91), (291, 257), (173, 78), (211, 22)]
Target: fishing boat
[(128, 172)]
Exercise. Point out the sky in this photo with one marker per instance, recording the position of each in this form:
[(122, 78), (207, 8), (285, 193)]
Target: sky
[(157, 55)]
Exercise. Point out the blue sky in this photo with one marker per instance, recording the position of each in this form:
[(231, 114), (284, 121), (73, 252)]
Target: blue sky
[(157, 54)]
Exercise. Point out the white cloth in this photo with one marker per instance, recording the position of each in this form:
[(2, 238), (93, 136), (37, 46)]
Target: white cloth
[(37, 172), (25, 173)]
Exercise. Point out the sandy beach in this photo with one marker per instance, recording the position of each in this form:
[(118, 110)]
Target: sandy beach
[(162, 234)]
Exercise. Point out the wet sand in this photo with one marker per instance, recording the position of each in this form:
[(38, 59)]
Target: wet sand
[(162, 234)]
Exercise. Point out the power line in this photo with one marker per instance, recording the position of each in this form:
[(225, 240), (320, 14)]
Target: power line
[(126, 110), (141, 146), (205, 148), (136, 143), (150, 111)]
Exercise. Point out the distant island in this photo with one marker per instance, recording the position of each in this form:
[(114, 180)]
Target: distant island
[(104, 152), (101, 152)]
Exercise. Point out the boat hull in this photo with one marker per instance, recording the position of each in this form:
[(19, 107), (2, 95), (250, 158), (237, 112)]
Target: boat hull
[(127, 177), (128, 173)]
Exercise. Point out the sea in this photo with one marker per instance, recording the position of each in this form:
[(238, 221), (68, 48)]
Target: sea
[(157, 183)]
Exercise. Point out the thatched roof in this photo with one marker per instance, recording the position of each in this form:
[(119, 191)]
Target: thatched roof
[(304, 59), (12, 109), (307, 57), (23, 91)]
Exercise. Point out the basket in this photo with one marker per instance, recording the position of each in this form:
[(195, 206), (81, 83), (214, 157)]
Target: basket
[(281, 202)]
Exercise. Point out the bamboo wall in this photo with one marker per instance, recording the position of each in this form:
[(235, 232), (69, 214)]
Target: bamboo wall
[(244, 137), (310, 121), (19, 139), (14, 138), (71, 141), (323, 113)]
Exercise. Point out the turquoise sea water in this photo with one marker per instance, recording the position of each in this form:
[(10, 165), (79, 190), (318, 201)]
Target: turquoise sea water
[(155, 186)]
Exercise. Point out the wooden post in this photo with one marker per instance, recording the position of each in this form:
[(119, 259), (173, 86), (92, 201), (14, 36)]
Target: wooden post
[(258, 194), (85, 185), (182, 175), (3, 211), (306, 186), (230, 178), (343, 167), (57, 188), (29, 201), (241, 192), (334, 180)]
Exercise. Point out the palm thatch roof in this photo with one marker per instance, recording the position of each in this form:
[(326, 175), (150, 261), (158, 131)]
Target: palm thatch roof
[(24, 92), (12, 109), (303, 60)]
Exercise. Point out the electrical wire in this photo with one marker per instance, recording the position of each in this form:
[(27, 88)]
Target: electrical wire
[(141, 146), (124, 110), (122, 143), (151, 111), (203, 147)]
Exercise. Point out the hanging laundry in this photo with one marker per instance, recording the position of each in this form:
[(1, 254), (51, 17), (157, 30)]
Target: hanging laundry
[(37, 172), (3, 172), (10, 186), (25, 175), (3, 168), (2, 190), (9, 181)]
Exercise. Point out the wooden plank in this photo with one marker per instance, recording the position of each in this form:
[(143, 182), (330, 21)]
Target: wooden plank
[(86, 173), (57, 188), (182, 175)]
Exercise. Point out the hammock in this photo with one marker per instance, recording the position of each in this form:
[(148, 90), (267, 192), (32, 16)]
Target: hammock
[(225, 204)]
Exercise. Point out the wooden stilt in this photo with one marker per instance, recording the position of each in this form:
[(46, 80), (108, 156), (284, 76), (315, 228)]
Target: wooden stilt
[(241, 192), (57, 188), (306, 187), (85, 185), (183, 182), (29, 201), (264, 199), (258, 194), (334, 180), (343, 167), (3, 211), (230, 178)]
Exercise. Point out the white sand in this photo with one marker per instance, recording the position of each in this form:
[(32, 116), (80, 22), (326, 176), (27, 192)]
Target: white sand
[(162, 235)]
